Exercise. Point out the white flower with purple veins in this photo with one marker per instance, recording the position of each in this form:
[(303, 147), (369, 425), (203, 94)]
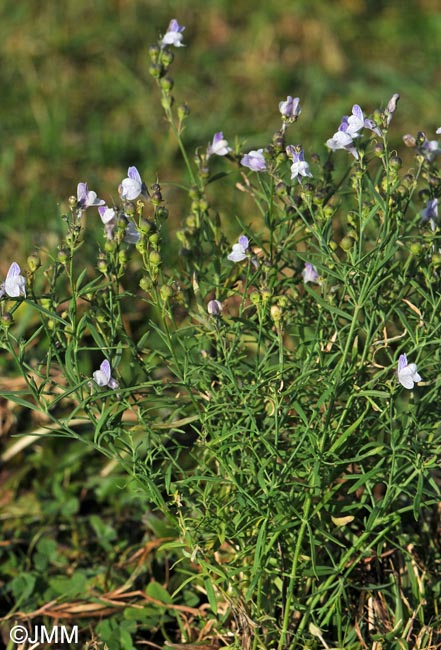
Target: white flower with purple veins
[(15, 284), (430, 213), (290, 109), (407, 373), (219, 146), (132, 186), (299, 167), (310, 273), (103, 376), (254, 160), (239, 252), (87, 199), (173, 35)]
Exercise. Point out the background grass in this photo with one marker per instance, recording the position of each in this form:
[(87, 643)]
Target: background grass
[(78, 104)]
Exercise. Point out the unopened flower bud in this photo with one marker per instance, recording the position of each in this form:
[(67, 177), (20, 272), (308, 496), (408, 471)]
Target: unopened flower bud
[(166, 292), (145, 283), (409, 140), (347, 243), (167, 102), (266, 295), (73, 201), (167, 57), (436, 259), (214, 307), (155, 258), (154, 51), (156, 198), (7, 319), (161, 213), (154, 239), (101, 265), (167, 84), (109, 245), (255, 297), (281, 189), (396, 162), (276, 314), (62, 255), (34, 262), (379, 149), (420, 138), (416, 248), (156, 70), (183, 112)]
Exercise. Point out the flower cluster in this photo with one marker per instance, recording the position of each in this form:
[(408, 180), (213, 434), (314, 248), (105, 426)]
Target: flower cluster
[(350, 129)]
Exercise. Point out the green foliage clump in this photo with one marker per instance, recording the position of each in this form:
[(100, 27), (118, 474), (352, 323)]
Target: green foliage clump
[(254, 395)]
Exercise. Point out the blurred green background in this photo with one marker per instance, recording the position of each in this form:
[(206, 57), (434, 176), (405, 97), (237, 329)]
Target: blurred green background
[(78, 103)]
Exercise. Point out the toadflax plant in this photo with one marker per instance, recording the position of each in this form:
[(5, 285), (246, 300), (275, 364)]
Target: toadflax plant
[(267, 396)]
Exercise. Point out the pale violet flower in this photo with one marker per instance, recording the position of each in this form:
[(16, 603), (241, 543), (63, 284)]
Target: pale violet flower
[(132, 186), (15, 284), (219, 146), (173, 36), (106, 214), (310, 273), (299, 166), (254, 160), (430, 213), (407, 373), (214, 308), (430, 148), (239, 252), (103, 376), (87, 199), (438, 131), (356, 122), (110, 218), (290, 108), (342, 140)]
